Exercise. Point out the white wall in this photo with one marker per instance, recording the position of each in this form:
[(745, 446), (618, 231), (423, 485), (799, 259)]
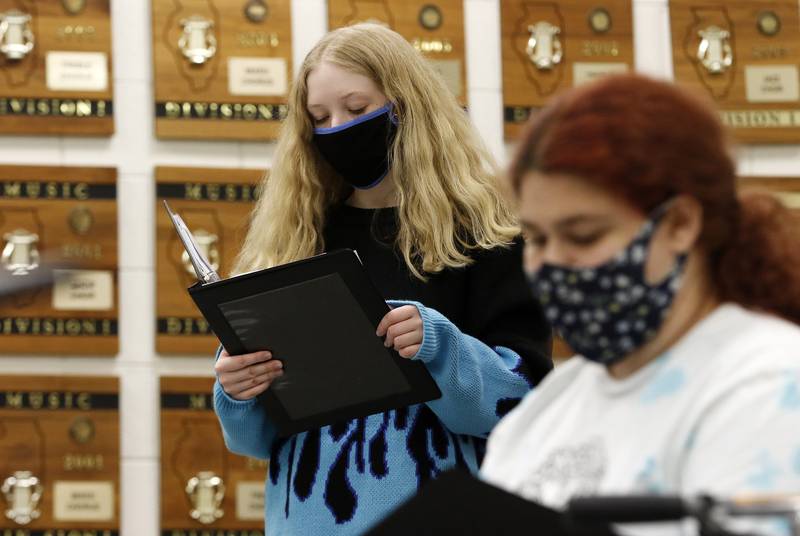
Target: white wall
[(134, 151)]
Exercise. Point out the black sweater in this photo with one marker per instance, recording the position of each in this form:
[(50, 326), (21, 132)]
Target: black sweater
[(489, 299)]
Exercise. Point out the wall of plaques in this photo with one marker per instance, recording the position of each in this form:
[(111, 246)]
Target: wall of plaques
[(105, 367), (55, 67)]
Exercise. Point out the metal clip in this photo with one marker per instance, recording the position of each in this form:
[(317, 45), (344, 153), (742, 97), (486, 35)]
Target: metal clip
[(197, 42), (20, 255), (22, 492), (206, 491), (16, 37), (714, 51), (544, 46)]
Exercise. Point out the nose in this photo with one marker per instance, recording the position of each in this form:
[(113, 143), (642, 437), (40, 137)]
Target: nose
[(338, 119), (554, 253)]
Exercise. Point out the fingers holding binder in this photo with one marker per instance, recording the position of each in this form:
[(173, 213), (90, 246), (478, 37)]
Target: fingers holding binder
[(402, 328), (247, 375)]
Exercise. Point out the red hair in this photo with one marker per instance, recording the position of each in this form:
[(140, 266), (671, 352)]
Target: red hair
[(648, 141)]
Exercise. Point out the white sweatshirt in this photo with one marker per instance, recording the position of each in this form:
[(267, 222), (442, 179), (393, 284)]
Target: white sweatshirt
[(718, 413)]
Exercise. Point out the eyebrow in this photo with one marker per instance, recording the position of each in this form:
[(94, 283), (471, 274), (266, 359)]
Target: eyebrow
[(567, 222)]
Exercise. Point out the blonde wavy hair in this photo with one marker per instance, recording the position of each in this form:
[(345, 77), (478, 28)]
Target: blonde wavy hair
[(448, 192)]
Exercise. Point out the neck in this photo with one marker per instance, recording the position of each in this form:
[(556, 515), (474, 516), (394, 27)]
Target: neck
[(381, 196), (693, 302)]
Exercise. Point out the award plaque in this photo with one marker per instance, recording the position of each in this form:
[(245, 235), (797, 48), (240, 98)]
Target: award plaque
[(434, 27), (58, 265), (744, 54), (204, 487), (550, 46), (59, 455), (55, 67), (221, 67), (215, 203)]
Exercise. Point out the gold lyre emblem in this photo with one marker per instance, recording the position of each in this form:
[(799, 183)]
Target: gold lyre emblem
[(207, 244), (256, 10), (715, 52), (16, 36), (768, 23), (81, 220), (197, 42), (82, 430), (430, 17), (22, 492), (600, 20), (544, 46), (206, 491), (20, 255), (73, 7)]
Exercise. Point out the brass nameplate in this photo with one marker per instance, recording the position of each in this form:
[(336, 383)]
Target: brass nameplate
[(550, 46), (221, 68), (744, 55), (204, 487), (58, 260), (59, 455), (215, 203), (434, 28), (55, 67)]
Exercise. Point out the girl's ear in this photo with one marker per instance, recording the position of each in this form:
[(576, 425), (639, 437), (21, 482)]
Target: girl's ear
[(683, 223)]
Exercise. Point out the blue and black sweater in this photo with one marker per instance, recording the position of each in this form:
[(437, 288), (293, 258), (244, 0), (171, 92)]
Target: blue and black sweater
[(485, 343)]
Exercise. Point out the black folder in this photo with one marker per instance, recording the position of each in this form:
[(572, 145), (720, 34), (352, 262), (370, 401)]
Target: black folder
[(318, 316), (457, 503)]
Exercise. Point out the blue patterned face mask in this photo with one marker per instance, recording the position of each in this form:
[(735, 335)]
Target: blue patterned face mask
[(607, 312)]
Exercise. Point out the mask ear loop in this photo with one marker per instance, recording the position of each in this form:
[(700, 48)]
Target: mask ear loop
[(393, 117)]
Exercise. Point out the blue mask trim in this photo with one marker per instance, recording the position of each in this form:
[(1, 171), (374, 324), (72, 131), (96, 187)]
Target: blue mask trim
[(358, 120), (374, 184)]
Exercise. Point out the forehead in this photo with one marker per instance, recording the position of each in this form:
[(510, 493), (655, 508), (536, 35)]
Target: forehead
[(547, 199), (328, 82)]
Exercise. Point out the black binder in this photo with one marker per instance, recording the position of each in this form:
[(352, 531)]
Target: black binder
[(457, 503), (318, 316)]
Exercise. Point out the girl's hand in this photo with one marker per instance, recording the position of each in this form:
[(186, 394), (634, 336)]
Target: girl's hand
[(402, 328), (248, 375)]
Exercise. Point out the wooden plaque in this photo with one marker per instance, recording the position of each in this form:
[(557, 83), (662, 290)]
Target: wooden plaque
[(745, 56), (55, 67), (787, 189), (222, 68), (58, 267), (434, 27), (215, 204), (59, 455), (204, 486), (550, 46)]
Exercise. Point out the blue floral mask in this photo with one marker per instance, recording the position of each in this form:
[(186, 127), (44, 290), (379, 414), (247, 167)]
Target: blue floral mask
[(607, 312)]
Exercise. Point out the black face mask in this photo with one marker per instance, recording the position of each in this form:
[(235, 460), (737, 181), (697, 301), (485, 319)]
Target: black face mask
[(359, 149)]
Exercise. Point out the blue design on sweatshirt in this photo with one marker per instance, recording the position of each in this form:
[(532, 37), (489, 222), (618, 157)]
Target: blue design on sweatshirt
[(665, 384), (790, 398), (765, 472)]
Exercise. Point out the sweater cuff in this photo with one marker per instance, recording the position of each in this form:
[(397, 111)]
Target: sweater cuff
[(435, 329), (226, 403)]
